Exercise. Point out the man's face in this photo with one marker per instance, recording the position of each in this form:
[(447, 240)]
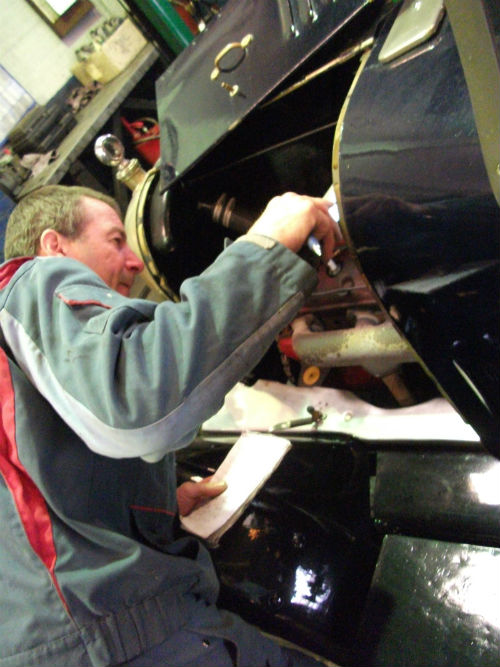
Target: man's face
[(102, 246)]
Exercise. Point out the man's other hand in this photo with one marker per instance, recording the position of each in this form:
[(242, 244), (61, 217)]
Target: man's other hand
[(191, 495)]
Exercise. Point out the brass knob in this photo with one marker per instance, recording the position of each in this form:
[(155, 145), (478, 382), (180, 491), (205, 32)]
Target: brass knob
[(232, 90), (110, 151)]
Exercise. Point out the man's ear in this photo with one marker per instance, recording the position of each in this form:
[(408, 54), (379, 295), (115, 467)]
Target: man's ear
[(51, 244)]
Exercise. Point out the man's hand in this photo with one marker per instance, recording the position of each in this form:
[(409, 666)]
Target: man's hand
[(191, 495), (291, 218)]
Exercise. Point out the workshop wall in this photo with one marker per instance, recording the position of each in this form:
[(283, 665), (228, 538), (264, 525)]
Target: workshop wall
[(33, 54)]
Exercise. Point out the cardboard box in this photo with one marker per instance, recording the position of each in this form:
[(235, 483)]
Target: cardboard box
[(112, 57)]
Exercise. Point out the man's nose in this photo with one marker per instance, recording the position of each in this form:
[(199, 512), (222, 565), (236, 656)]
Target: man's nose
[(134, 264)]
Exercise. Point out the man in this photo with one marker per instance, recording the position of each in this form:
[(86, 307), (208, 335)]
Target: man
[(98, 391)]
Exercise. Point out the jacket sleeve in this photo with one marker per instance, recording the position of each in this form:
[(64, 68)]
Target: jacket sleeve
[(135, 378)]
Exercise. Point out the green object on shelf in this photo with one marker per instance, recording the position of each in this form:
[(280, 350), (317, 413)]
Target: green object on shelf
[(167, 23)]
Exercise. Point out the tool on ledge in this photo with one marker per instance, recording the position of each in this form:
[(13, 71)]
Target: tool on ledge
[(316, 418)]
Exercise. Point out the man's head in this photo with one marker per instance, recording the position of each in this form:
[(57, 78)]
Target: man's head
[(76, 222)]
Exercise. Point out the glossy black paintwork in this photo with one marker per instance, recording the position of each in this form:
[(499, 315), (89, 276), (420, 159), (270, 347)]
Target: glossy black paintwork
[(360, 555), (423, 221), (300, 560), (446, 495), (196, 112), (432, 602)]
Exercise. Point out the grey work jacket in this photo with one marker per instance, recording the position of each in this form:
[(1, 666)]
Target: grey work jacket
[(97, 392)]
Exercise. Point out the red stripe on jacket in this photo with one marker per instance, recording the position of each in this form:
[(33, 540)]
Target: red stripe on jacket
[(30, 503)]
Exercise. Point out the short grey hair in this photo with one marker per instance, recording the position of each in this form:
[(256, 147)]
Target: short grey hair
[(57, 207)]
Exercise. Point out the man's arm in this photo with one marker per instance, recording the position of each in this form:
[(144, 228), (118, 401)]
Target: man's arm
[(134, 378)]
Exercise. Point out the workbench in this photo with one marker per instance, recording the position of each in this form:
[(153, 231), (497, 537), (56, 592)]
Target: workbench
[(90, 120)]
